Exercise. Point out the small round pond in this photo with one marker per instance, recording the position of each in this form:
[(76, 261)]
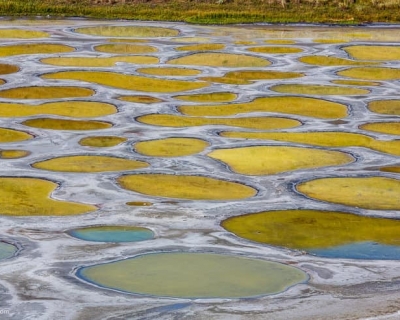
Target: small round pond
[(112, 234), (194, 275), (390, 107), (262, 160), (186, 187), (376, 193), (171, 147), (7, 250), (32, 197), (89, 163), (13, 154)]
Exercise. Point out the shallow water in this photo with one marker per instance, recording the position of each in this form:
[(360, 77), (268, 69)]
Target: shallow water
[(194, 275), (362, 250), (7, 250), (112, 234)]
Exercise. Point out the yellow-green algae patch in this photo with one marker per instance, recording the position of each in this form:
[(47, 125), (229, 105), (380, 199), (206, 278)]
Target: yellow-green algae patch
[(13, 154), (202, 47), (186, 187), (356, 82), (262, 160), (245, 42), (394, 169), (309, 107), (31, 197), (330, 40), (371, 73), (125, 48), (22, 34), (322, 139), (140, 99), (312, 229), (208, 97), (380, 53), (275, 50), (194, 275), (98, 61), (8, 68), (10, 135), (127, 40), (171, 147), (391, 107), (225, 80), (248, 76), (45, 92), (375, 193), (101, 141), (280, 41), (129, 31), (76, 109), (139, 203), (333, 61), (169, 71), (382, 127), (260, 123), (318, 89), (191, 39), (65, 124), (262, 75), (34, 48), (227, 60), (128, 82), (89, 164)]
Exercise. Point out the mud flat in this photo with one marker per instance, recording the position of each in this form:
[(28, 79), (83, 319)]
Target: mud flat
[(172, 171)]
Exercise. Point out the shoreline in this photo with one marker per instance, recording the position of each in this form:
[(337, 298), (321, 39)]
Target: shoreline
[(210, 13)]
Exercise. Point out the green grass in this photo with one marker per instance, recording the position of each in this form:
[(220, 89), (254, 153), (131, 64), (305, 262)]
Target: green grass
[(213, 11)]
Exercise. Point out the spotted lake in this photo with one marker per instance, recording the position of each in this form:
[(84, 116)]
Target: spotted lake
[(171, 171)]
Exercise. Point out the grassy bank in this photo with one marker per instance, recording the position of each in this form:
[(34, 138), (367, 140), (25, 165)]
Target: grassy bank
[(215, 11)]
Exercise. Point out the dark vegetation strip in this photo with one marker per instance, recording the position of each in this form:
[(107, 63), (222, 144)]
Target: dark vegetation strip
[(213, 11)]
